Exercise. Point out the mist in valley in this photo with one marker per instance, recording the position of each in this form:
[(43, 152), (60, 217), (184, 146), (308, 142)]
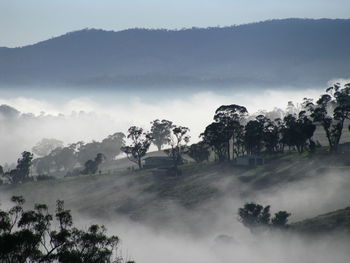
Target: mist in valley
[(153, 228), (211, 232), (98, 114), (128, 134)]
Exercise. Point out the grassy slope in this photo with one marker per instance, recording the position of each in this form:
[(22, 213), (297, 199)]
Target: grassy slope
[(139, 194), (338, 221)]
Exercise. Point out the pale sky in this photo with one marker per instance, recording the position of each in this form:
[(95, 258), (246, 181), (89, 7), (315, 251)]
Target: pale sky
[(24, 22)]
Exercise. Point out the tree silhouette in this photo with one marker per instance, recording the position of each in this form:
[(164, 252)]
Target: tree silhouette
[(216, 137), (331, 110), (231, 117), (272, 135), (254, 135), (21, 173), (140, 143), (199, 151), (65, 158), (110, 146), (280, 219), (178, 139), (31, 236), (254, 215), (91, 166), (160, 132), (257, 217), (298, 130)]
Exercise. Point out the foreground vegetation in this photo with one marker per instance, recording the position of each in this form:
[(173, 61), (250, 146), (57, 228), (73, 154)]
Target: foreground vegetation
[(34, 236)]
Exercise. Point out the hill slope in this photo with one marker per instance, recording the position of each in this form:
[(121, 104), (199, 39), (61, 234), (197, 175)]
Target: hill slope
[(278, 52), (204, 192), (336, 221)]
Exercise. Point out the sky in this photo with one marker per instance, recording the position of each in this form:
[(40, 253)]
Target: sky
[(24, 22)]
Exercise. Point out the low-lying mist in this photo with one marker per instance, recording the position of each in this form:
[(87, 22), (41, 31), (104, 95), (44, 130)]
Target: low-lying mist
[(86, 118), (169, 231), (211, 231)]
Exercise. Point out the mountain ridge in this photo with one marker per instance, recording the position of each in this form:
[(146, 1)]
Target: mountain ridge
[(234, 26), (274, 52)]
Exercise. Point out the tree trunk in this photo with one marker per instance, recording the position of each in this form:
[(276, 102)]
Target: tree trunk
[(139, 163), (233, 147), (228, 151)]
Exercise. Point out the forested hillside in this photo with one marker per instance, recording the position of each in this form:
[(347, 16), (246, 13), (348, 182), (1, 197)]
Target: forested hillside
[(278, 53)]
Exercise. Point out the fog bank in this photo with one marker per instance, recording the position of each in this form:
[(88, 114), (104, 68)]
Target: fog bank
[(85, 118)]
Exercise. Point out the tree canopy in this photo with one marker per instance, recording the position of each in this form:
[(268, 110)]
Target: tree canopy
[(140, 143), (38, 236)]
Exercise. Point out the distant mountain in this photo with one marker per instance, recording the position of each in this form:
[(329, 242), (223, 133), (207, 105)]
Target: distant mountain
[(274, 53)]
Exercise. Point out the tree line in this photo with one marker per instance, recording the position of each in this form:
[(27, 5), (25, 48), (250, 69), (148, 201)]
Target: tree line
[(232, 133), (235, 133)]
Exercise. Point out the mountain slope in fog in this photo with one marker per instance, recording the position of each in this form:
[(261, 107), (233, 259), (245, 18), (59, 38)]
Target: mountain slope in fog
[(304, 185), (278, 52)]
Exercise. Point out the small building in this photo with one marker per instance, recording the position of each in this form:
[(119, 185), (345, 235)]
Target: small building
[(158, 162), (250, 160), (344, 147)]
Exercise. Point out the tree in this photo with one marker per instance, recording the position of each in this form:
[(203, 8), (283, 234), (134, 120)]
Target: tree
[(256, 217), (292, 109), (160, 132), (272, 135), (65, 158), (298, 130), (45, 146), (21, 173), (231, 117), (280, 219), (199, 152), (87, 151), (216, 137), (331, 110), (91, 166), (178, 139), (140, 143), (29, 236), (110, 146), (254, 135), (44, 164)]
